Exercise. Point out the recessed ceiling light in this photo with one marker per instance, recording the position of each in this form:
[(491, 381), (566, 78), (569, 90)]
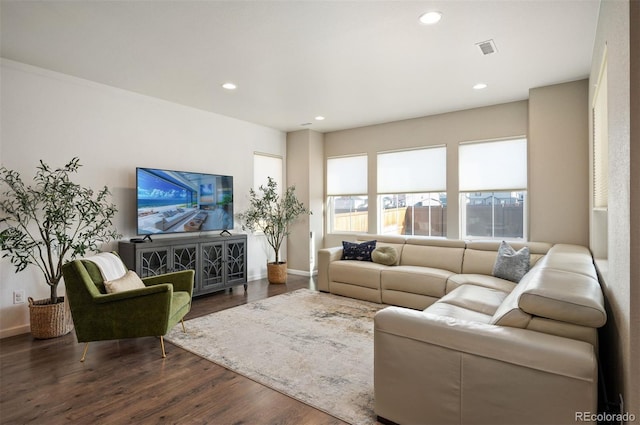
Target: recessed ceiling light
[(319, 118), (229, 86), (480, 86), (430, 18)]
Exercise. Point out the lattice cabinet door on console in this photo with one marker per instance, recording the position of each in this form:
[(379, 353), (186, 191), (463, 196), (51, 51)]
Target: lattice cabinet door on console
[(185, 257), (152, 262), (212, 256), (236, 262), (220, 262)]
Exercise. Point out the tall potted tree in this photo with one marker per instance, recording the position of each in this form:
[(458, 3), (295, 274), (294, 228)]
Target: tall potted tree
[(46, 224), (272, 214)]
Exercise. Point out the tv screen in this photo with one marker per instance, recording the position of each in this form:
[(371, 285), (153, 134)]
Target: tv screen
[(178, 201)]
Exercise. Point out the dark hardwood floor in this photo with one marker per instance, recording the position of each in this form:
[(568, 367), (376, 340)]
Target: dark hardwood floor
[(127, 381)]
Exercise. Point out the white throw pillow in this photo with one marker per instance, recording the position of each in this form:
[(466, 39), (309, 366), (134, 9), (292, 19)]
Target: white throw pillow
[(126, 283)]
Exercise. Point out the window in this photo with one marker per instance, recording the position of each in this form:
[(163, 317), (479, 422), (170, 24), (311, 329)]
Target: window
[(493, 189), (347, 201), (264, 166), (412, 195), (601, 143)]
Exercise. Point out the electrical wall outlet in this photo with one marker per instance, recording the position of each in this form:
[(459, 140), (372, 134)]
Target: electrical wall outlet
[(18, 297)]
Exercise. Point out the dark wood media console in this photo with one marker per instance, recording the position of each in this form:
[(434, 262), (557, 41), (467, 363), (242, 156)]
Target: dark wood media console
[(220, 262)]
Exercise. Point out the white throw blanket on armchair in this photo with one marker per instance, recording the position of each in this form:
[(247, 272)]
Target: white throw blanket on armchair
[(110, 265)]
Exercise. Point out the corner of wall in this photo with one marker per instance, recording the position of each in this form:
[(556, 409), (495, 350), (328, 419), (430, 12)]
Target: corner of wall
[(558, 154)]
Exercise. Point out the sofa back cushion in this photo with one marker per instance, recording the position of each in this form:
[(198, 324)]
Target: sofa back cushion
[(564, 296), (443, 254), (395, 241), (480, 256), (571, 258), (560, 296)]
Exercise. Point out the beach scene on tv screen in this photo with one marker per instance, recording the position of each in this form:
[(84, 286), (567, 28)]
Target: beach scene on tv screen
[(176, 201)]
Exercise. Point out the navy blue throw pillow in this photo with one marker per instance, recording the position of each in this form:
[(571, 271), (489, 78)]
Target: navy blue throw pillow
[(358, 251)]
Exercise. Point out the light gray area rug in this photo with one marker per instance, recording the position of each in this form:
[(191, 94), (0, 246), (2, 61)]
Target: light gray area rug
[(312, 346)]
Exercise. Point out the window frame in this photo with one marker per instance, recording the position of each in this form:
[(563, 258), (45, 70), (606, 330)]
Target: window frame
[(265, 164), (430, 196), (333, 193), (505, 188), (425, 173), (463, 218)]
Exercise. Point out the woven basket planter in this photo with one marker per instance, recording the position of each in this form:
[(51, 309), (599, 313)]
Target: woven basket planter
[(49, 320), (277, 273)]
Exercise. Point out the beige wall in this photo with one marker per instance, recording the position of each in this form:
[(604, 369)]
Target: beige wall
[(316, 193), (305, 165), (620, 269), (555, 137), (54, 117), (633, 393), (559, 163), (491, 122)]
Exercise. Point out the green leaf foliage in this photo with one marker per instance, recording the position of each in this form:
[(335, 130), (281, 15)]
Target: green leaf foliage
[(52, 221), (272, 214)]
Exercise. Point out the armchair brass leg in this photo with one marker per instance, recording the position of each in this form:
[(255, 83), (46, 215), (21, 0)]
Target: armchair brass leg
[(164, 355), (84, 353), (183, 328)]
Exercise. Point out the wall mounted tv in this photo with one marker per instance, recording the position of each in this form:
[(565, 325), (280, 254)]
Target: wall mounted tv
[(178, 201)]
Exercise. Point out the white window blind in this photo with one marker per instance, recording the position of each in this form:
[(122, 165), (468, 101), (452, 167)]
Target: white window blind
[(601, 143), (264, 166), (347, 175), (493, 166), (412, 171)]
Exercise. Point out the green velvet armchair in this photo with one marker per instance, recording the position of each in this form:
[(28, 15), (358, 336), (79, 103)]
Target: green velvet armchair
[(149, 311)]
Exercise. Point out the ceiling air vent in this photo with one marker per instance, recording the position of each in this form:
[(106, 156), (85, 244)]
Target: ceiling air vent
[(487, 47)]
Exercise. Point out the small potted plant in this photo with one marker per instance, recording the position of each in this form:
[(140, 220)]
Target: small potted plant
[(272, 214), (46, 224)]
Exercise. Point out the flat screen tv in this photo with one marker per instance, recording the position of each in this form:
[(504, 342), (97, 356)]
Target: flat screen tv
[(178, 201)]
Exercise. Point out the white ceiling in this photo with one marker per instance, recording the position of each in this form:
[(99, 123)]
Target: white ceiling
[(355, 62)]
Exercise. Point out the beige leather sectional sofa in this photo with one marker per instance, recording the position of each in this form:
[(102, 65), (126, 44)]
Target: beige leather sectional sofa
[(458, 345)]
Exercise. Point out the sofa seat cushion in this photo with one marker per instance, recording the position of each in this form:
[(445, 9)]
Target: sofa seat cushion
[(476, 298), (407, 299), (457, 280), (415, 280), (360, 273), (456, 312)]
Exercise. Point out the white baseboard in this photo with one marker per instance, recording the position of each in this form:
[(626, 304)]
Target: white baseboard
[(18, 330), (291, 271), (257, 276), (302, 272)]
